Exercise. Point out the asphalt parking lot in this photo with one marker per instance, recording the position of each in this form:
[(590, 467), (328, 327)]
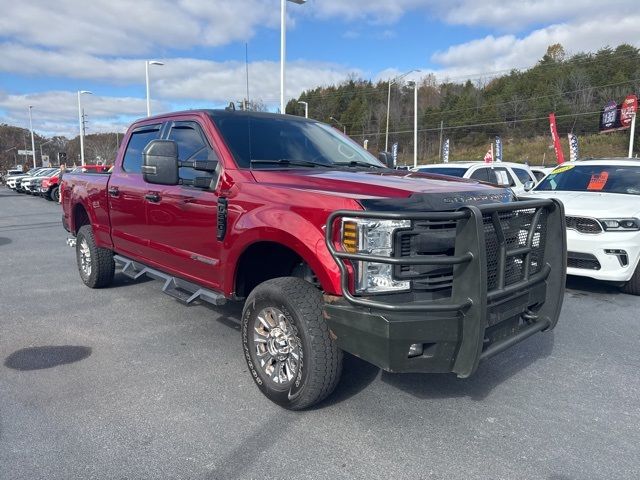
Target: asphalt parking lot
[(145, 387)]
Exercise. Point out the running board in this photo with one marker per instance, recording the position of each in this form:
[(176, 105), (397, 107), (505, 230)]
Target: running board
[(182, 290)]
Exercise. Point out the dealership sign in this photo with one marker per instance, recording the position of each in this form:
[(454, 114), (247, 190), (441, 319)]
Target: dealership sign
[(628, 108), (618, 117)]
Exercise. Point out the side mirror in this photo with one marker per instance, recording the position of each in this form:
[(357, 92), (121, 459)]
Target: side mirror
[(529, 185), (160, 162), (387, 159)]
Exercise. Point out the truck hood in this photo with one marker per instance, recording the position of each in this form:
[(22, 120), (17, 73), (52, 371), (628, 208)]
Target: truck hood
[(388, 190), (369, 183), (593, 204)]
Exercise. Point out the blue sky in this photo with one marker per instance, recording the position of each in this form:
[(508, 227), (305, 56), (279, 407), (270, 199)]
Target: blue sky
[(48, 53)]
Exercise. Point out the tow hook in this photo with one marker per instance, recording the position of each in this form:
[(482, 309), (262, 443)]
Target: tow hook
[(71, 242)]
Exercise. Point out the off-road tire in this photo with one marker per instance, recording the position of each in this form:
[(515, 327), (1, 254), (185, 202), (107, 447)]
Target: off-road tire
[(632, 287), (53, 194), (102, 263), (321, 360)]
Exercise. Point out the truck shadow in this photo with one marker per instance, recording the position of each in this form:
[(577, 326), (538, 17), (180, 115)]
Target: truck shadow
[(583, 286), (490, 374), (356, 376), (120, 280)]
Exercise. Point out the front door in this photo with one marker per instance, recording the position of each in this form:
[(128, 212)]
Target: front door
[(126, 191), (182, 219)]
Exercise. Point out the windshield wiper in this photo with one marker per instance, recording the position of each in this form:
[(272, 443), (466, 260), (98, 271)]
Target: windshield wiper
[(287, 162), (358, 163)]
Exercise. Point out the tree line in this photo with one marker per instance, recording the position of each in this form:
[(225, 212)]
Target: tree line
[(514, 104)]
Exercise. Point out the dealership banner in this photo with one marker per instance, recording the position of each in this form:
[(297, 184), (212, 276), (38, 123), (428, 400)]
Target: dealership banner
[(394, 153), (556, 139), (627, 110), (574, 153), (445, 151), (498, 148), (610, 117)]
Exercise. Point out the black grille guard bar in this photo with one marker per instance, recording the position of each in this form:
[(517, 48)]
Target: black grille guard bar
[(469, 261)]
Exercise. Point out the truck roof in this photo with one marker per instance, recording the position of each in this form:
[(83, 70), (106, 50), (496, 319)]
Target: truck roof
[(221, 113)]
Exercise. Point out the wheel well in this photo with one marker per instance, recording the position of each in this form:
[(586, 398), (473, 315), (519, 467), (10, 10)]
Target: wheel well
[(266, 260), (80, 217)]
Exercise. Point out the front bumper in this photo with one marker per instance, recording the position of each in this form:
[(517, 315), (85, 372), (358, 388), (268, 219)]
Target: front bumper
[(609, 266), (489, 308)]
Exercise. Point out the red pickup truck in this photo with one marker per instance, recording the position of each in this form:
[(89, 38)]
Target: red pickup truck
[(329, 249)]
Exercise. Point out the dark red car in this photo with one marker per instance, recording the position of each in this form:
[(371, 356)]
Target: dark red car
[(329, 249)]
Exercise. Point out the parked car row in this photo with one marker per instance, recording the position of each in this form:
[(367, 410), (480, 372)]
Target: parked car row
[(601, 208), (44, 181)]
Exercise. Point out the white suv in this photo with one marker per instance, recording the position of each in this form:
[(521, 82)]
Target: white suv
[(602, 208), (503, 174)]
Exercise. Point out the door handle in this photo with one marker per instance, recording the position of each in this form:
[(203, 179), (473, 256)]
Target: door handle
[(114, 192), (152, 197)]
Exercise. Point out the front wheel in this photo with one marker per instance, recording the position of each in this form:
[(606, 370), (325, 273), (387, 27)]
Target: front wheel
[(96, 265), (287, 344), (633, 286), (54, 194)]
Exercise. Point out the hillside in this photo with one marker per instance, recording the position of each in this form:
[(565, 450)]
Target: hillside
[(514, 105)]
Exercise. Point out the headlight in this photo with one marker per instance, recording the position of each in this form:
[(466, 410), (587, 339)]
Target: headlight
[(373, 237), (620, 224)]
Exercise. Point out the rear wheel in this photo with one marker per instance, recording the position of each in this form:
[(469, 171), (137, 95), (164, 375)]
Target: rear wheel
[(95, 265), (633, 286), (287, 344)]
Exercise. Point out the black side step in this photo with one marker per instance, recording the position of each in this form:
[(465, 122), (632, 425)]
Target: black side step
[(182, 290)]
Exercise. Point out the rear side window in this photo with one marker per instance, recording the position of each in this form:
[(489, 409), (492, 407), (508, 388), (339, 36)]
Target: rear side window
[(522, 175), (192, 146), (480, 174), (139, 139), (496, 176)]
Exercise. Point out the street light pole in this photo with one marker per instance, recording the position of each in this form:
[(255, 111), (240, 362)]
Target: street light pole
[(146, 71), (81, 123), (344, 129), (33, 143), (391, 82), (633, 133), (283, 47), (415, 124), (306, 109)]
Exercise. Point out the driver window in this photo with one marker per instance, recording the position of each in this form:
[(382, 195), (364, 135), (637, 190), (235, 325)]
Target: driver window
[(192, 146)]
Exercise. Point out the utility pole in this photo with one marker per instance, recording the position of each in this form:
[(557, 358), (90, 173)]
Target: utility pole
[(33, 143)]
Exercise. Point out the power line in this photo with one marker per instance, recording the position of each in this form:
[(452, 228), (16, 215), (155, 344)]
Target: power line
[(456, 127)]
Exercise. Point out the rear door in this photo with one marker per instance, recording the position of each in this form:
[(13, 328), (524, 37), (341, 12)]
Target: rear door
[(182, 219), (126, 191)]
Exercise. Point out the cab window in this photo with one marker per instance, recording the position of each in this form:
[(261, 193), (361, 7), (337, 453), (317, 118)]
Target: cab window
[(140, 137), (523, 175), (192, 146)]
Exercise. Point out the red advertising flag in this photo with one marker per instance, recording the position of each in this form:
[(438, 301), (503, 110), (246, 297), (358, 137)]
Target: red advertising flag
[(627, 109), (488, 158), (556, 139)]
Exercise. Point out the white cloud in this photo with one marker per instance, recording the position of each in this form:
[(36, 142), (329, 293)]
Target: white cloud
[(517, 14), (123, 27), (56, 112), (508, 51)]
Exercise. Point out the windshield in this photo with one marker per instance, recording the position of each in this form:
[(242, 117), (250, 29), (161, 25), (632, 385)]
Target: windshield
[(269, 141), (594, 178), (451, 171)]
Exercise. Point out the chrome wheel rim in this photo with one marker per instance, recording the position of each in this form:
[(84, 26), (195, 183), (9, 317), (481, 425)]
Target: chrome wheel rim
[(278, 348), (85, 257)]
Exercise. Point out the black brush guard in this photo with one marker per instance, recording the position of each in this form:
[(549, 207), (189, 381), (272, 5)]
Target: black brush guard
[(509, 269)]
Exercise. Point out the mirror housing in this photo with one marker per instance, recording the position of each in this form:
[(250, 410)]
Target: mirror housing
[(529, 185), (387, 159), (160, 162)]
